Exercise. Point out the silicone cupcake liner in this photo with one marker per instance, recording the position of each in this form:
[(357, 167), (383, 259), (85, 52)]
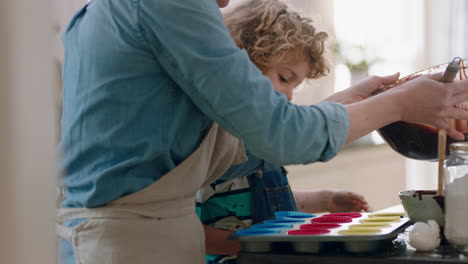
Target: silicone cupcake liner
[(315, 229), (349, 214), (392, 219), (292, 214), (290, 218), (257, 231), (272, 226), (369, 225), (306, 232), (319, 226), (362, 232), (284, 221), (332, 219), (390, 214)]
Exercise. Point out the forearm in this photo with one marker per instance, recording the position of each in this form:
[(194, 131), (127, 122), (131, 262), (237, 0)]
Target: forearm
[(342, 97), (216, 242), (312, 201), (371, 114)]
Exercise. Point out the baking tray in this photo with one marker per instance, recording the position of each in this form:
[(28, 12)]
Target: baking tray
[(354, 232)]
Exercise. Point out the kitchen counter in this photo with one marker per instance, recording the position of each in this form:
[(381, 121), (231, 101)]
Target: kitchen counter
[(397, 251)]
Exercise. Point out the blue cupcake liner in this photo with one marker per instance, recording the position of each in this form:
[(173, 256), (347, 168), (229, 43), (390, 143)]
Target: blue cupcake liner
[(292, 215), (257, 231), (273, 226), (284, 221), (300, 221)]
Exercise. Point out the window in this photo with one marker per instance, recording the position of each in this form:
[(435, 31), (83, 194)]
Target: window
[(377, 38)]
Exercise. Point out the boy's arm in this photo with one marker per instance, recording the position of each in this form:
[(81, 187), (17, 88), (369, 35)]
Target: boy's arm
[(216, 242), (332, 201), (312, 201)]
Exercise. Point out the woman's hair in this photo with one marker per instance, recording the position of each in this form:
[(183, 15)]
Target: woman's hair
[(268, 31)]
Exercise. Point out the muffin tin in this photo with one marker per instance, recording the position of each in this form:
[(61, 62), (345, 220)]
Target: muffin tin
[(307, 233)]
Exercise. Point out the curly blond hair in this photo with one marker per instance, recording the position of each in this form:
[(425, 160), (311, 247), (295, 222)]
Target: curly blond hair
[(268, 31)]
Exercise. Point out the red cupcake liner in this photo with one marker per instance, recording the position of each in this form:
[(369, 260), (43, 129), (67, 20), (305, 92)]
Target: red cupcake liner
[(332, 219), (349, 214), (319, 226), (306, 232)]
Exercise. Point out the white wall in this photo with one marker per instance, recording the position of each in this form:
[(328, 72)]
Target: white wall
[(27, 133), (321, 13)]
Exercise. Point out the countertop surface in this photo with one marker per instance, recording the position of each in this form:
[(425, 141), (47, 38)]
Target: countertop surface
[(391, 252), (396, 252)]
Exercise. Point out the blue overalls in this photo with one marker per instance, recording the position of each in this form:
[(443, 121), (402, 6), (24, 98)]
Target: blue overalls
[(269, 188)]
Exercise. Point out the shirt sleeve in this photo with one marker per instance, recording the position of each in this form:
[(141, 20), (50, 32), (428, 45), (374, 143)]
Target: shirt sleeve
[(193, 45), (252, 165)]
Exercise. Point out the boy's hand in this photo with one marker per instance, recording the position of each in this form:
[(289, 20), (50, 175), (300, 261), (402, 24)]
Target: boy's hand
[(363, 89), (346, 201)]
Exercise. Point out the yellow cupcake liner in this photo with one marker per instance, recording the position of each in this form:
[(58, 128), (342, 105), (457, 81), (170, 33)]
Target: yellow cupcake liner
[(360, 232), (388, 219), (389, 214), (369, 225)]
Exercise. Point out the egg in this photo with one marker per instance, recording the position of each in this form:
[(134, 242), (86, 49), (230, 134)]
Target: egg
[(425, 236)]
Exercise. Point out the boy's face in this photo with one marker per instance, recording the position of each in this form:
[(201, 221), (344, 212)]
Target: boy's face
[(288, 74)]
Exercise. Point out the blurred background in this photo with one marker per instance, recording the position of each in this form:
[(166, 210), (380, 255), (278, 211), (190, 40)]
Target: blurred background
[(368, 37)]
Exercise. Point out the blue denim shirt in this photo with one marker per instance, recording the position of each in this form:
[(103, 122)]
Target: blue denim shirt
[(142, 81)]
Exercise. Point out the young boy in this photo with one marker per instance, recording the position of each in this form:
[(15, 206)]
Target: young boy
[(287, 49)]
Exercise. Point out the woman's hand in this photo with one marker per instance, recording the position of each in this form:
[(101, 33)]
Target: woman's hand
[(460, 125), (347, 201), (363, 89), (423, 99), (427, 100)]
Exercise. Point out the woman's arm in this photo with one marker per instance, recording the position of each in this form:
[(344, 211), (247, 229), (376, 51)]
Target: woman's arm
[(196, 50), (422, 100)]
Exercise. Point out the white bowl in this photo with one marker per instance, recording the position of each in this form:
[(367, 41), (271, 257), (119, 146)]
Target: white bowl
[(421, 205)]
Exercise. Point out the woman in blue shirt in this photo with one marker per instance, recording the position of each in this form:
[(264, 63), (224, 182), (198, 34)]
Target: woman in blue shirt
[(287, 48), (143, 83)]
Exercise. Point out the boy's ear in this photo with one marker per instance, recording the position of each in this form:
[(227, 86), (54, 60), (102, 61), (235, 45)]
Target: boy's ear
[(222, 3)]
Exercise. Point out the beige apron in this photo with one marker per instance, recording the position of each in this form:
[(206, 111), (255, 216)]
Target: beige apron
[(157, 224)]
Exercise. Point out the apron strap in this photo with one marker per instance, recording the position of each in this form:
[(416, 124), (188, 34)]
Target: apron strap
[(64, 232)]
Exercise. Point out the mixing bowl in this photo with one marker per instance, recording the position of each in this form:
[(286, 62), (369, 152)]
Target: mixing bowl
[(419, 141)]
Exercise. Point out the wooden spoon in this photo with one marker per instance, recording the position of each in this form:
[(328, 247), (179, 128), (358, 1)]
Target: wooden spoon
[(442, 142)]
